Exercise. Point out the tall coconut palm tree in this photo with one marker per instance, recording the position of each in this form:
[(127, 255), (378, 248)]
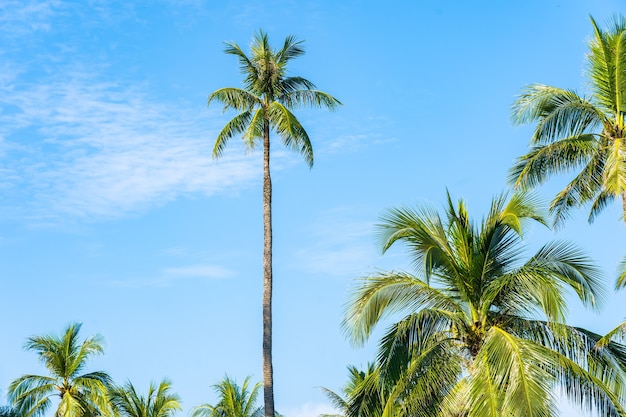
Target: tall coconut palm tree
[(265, 104), (586, 134), (234, 401), (79, 394), (159, 402), (484, 319)]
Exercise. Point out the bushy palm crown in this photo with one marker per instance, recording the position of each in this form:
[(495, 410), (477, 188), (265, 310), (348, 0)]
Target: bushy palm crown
[(159, 402), (234, 401), (268, 97), (65, 357), (484, 327), (578, 133)]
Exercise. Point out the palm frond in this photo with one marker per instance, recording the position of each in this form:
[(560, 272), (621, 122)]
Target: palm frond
[(235, 126), (291, 131), (385, 294), (235, 98), (295, 99)]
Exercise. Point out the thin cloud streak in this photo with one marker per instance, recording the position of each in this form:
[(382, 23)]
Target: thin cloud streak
[(174, 275), (106, 149)]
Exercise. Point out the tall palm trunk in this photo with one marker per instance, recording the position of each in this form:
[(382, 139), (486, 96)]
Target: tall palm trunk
[(268, 372)]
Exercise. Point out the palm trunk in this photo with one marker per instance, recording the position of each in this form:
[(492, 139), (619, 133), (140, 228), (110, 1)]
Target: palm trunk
[(268, 372)]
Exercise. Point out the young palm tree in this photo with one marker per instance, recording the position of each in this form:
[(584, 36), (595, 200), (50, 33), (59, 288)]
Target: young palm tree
[(358, 398), (159, 402), (484, 325), (265, 104), (234, 401), (368, 394), (65, 357), (578, 133)]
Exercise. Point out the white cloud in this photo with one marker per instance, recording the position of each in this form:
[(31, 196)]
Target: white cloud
[(18, 17), (85, 147)]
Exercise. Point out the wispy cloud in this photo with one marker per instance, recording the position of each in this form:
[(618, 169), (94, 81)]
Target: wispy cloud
[(173, 275), (340, 244), (18, 17), (86, 147)]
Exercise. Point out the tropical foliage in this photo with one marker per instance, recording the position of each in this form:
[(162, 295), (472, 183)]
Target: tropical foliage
[(65, 357), (234, 401), (159, 402), (573, 132), (265, 104), (480, 325)]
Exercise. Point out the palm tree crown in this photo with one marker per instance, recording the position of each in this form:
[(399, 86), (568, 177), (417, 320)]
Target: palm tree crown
[(577, 133), (65, 357), (159, 402), (268, 97), (264, 105), (234, 401), (484, 327)]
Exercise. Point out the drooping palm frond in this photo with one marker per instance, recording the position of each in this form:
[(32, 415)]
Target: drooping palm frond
[(385, 294)]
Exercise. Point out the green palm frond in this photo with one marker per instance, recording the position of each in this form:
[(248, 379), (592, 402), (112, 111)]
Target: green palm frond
[(236, 125), (558, 113), (234, 98), (602, 200), (291, 131), (510, 376), (621, 274), (536, 166), (385, 294), (295, 99), (292, 48)]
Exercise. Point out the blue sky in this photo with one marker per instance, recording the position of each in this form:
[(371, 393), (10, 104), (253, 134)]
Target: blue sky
[(113, 212)]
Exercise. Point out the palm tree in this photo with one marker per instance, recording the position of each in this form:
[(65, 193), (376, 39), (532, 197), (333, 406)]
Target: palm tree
[(234, 401), (264, 105), (356, 391), (65, 357), (369, 394), (481, 324), (159, 402), (577, 133)]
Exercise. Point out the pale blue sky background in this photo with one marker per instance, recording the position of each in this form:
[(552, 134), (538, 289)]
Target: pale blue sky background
[(113, 213)]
